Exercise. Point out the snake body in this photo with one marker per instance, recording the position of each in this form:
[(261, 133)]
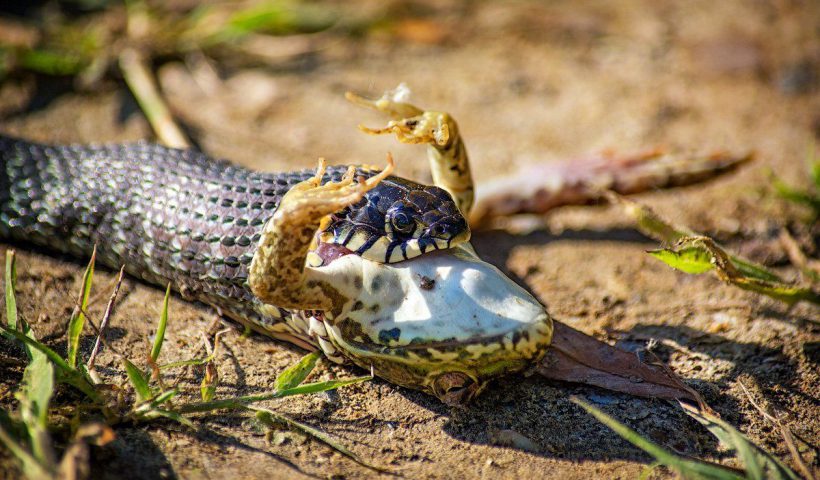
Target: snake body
[(170, 216), (330, 247)]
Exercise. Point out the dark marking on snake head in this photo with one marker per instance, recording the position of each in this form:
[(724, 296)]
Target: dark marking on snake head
[(357, 306), (376, 283)]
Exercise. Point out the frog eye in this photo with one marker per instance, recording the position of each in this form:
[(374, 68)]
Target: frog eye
[(402, 222)]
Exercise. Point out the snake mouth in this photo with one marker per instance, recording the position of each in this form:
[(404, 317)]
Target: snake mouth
[(384, 249)]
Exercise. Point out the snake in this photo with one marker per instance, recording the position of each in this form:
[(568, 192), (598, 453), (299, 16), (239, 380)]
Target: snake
[(370, 268)]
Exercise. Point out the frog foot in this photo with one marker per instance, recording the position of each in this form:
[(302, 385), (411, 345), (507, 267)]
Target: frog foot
[(410, 124), (278, 274)]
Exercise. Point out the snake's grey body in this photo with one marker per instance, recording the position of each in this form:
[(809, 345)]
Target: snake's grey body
[(317, 244), (170, 216)]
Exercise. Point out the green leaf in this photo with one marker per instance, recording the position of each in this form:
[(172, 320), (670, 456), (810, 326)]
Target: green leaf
[(753, 270), (241, 402), (164, 397), (686, 259), (137, 379), (11, 285), (759, 463), (32, 469), (65, 373), (652, 225), (77, 322), (694, 254), (34, 396), (683, 466), (163, 322), (296, 374)]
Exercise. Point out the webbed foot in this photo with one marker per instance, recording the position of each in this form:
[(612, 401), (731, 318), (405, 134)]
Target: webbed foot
[(278, 274), (446, 152), (310, 201)]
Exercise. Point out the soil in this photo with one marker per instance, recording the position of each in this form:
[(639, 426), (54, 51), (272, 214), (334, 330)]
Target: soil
[(528, 82)]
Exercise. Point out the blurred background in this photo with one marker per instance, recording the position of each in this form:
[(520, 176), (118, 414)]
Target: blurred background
[(262, 82), (528, 80)]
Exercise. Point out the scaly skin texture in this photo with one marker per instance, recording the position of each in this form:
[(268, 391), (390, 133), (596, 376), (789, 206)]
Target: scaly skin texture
[(253, 244), (286, 239), (179, 217)]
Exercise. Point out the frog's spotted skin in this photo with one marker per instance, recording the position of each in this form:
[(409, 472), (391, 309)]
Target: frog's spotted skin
[(315, 259), (446, 316)]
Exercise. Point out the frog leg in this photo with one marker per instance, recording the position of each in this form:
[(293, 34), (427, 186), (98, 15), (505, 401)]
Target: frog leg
[(278, 273), (445, 148)]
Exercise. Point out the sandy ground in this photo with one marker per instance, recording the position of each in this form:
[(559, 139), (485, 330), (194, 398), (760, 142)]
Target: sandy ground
[(529, 82)]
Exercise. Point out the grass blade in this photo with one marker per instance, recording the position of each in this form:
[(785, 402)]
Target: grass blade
[(138, 381), (296, 374), (163, 322), (34, 396), (683, 466), (137, 74), (164, 397), (31, 467), (241, 402), (176, 416), (759, 463), (66, 374), (11, 285), (272, 419), (317, 387), (104, 322), (77, 322)]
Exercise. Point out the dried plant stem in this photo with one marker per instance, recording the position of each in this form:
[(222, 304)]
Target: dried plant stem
[(141, 82), (105, 318), (785, 432)]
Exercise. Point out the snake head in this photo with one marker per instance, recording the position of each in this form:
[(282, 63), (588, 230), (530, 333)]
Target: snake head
[(446, 323), (396, 221)]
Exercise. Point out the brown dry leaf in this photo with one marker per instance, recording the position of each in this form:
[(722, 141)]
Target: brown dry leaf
[(577, 357)]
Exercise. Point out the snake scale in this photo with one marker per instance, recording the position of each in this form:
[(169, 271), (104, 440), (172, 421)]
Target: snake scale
[(325, 259)]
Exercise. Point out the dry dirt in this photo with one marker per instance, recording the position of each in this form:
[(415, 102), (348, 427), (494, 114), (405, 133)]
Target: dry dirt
[(529, 82)]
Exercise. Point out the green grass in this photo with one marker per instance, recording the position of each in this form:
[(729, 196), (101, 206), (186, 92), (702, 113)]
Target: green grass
[(693, 253), (758, 464), (147, 398), (808, 197)]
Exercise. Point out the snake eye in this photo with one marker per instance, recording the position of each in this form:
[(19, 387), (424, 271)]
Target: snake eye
[(402, 222)]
